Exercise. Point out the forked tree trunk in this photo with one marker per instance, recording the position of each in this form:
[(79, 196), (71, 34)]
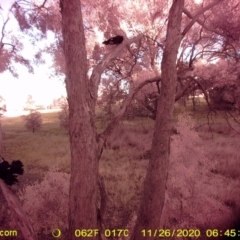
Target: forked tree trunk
[(86, 145), (154, 187), (83, 143)]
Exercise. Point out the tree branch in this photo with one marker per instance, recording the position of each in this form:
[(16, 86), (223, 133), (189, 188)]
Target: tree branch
[(3, 32), (98, 70), (9, 44), (102, 137), (205, 94), (185, 91), (195, 18)]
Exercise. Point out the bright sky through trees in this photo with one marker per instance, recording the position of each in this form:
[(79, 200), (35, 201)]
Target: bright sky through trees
[(42, 85)]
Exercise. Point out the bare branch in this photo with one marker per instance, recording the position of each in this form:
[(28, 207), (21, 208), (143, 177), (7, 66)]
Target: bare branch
[(229, 124), (235, 119), (102, 137), (185, 91), (204, 92), (155, 41), (98, 70), (195, 18), (13, 46), (3, 31), (43, 4)]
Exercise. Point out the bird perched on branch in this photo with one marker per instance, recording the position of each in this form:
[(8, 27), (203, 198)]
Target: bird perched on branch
[(114, 41), (8, 171)]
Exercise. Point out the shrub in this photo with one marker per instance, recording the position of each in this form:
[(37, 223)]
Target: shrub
[(190, 201), (46, 203), (223, 98), (33, 121)]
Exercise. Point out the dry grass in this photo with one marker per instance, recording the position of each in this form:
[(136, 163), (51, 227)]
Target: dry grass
[(203, 185), (42, 149)]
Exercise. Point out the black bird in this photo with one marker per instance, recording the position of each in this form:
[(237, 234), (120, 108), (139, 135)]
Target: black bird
[(8, 171), (114, 41)]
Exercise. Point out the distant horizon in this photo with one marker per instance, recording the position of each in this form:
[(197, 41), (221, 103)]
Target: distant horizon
[(43, 89), (21, 113)]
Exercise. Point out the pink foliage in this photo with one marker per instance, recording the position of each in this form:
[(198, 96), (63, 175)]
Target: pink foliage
[(189, 202)]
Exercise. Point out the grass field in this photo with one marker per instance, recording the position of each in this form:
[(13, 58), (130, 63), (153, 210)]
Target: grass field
[(203, 188)]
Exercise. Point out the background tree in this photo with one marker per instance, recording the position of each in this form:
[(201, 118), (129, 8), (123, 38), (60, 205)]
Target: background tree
[(33, 121)]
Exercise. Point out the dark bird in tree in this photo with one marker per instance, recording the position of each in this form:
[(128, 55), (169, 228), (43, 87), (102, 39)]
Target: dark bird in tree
[(115, 40), (8, 171)]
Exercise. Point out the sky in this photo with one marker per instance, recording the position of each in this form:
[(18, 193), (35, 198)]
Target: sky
[(41, 85)]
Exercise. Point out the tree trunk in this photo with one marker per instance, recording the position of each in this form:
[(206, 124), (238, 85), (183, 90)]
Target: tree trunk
[(83, 143), (194, 100), (154, 188)]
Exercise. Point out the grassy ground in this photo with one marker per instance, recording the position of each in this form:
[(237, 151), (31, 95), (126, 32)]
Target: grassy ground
[(203, 186)]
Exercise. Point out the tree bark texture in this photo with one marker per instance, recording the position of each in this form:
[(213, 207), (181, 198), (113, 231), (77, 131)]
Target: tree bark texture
[(83, 143), (154, 187)]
